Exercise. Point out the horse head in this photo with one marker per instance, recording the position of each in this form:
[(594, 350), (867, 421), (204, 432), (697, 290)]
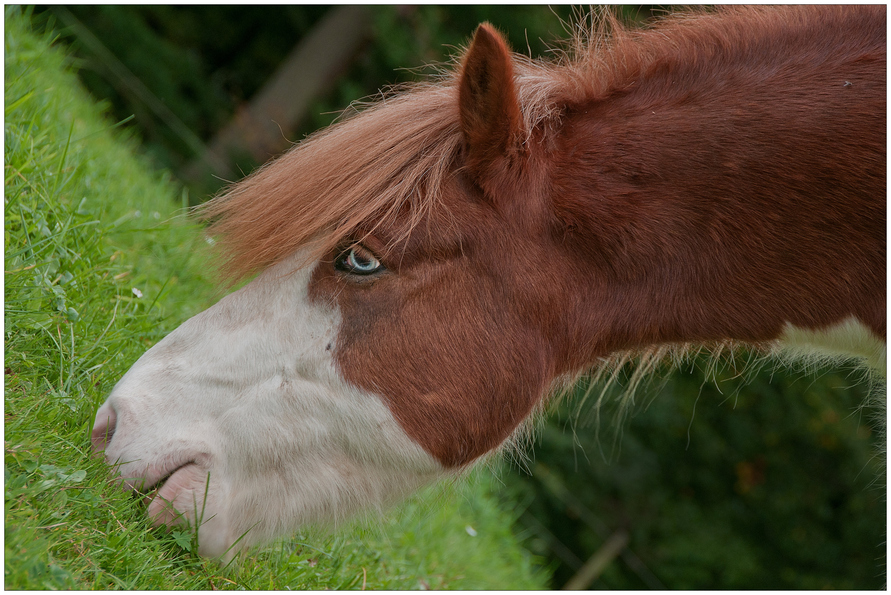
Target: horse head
[(430, 268)]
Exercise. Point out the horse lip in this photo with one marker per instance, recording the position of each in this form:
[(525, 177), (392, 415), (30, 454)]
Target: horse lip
[(174, 498), (160, 483), (151, 481), (149, 492), (155, 477)]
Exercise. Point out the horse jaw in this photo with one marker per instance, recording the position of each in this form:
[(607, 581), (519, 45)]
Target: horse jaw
[(242, 421)]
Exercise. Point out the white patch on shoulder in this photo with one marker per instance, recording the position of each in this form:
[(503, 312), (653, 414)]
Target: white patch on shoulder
[(849, 339)]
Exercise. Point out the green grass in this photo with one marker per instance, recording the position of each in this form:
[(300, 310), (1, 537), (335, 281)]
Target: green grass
[(99, 265)]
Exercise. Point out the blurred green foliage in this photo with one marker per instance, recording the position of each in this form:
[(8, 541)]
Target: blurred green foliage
[(773, 480), (203, 62)]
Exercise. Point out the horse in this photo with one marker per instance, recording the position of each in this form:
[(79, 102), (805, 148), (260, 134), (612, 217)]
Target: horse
[(428, 269)]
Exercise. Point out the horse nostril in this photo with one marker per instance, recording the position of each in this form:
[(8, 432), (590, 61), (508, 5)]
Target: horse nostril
[(103, 428)]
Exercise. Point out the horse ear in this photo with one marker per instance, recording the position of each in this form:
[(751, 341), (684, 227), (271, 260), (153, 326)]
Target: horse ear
[(488, 106)]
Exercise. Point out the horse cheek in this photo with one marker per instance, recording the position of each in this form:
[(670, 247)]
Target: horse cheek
[(458, 374)]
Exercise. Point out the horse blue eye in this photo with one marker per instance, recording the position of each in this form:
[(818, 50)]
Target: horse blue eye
[(358, 261)]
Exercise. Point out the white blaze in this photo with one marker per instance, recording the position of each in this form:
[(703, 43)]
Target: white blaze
[(246, 399)]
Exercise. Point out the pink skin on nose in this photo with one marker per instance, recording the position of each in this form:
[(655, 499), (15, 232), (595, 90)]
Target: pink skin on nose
[(103, 428)]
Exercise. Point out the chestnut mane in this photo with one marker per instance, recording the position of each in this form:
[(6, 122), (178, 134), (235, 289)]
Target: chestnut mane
[(380, 158), (392, 156)]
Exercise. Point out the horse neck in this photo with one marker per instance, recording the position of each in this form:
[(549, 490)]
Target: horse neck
[(727, 210)]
